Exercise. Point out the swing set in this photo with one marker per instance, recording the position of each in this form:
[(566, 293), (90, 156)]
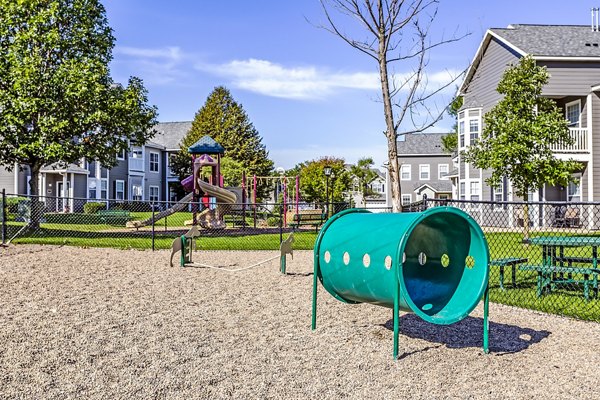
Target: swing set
[(250, 184)]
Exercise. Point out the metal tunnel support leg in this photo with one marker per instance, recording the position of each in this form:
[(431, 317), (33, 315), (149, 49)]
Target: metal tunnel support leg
[(486, 323), (314, 297), (396, 317)]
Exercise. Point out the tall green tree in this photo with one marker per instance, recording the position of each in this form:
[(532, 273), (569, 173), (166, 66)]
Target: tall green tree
[(364, 174), (314, 185), (225, 120), (58, 102), (518, 135)]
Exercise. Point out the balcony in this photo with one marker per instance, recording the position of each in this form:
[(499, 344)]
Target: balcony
[(136, 164), (580, 142)]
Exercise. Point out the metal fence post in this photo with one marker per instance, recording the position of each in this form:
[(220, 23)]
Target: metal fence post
[(153, 224), (3, 216)]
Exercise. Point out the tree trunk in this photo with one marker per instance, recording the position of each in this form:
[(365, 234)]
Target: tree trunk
[(390, 132), (36, 205)]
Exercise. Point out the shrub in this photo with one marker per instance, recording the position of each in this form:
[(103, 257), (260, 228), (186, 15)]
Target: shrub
[(93, 207), (12, 203), (273, 221)]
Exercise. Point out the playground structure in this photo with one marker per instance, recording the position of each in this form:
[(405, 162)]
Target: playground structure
[(433, 263), (186, 244), (204, 187)]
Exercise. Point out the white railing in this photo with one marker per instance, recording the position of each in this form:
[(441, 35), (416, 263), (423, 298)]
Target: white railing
[(580, 142), (136, 164)]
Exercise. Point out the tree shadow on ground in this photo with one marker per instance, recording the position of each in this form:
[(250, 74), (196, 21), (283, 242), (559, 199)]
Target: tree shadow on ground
[(503, 338)]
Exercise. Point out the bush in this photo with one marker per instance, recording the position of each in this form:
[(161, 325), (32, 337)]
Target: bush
[(12, 203), (273, 221), (93, 207)]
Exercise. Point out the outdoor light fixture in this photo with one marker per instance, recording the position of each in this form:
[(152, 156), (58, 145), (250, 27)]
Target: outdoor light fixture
[(327, 171)]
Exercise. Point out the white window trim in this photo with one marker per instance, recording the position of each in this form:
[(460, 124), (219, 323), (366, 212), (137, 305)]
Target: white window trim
[(466, 131), (440, 171), (150, 192), (121, 155), (157, 162), (409, 172), (580, 111), (403, 196), (117, 181), (428, 172)]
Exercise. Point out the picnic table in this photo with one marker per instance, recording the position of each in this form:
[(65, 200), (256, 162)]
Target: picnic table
[(557, 267)]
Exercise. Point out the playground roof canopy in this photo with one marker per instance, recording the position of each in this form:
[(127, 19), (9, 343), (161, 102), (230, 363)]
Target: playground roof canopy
[(206, 145)]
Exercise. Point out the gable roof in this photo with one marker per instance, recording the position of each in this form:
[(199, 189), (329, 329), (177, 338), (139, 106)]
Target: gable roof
[(422, 143), (543, 42), (170, 134)]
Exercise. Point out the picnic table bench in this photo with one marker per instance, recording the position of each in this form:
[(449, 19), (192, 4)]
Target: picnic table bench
[(114, 217), (314, 218), (512, 262), (547, 278)]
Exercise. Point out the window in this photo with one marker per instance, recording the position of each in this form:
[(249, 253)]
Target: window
[(137, 192), (573, 113), (154, 162), (574, 191), (137, 153), (473, 130), (377, 187), (121, 155), (406, 199), (424, 172), (462, 191), (474, 190), (405, 172), (119, 190), (443, 197), (461, 133), (92, 189), (498, 195), (153, 193), (442, 170), (103, 189)]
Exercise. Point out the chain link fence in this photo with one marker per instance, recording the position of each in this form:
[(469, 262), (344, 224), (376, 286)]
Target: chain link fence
[(154, 225), (544, 256)]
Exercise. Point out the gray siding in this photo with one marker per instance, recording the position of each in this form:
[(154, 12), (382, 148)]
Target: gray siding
[(153, 178), (481, 91), (79, 187), (118, 172), (571, 78), (7, 180), (408, 187)]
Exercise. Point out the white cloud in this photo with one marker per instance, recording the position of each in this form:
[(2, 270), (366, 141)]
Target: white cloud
[(156, 66), (275, 80), (307, 82)]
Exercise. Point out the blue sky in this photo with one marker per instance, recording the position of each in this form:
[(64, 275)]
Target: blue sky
[(307, 93)]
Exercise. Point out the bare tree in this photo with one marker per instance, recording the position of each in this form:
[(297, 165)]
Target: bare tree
[(397, 32)]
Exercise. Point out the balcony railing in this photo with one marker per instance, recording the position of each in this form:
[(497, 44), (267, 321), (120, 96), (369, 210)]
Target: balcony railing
[(136, 164), (580, 142)]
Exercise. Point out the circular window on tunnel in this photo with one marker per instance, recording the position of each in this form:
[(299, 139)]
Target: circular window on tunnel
[(422, 258), (470, 262), (327, 256), (346, 258), (366, 260), (387, 262), (445, 260)]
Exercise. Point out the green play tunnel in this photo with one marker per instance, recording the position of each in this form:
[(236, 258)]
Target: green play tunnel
[(435, 262)]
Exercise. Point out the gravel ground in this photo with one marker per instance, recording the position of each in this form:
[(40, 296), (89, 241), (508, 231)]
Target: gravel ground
[(104, 323)]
